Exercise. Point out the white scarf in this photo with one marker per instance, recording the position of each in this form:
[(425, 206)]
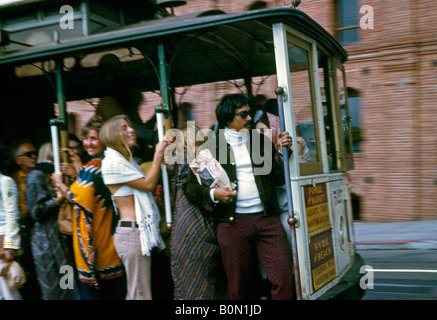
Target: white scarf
[(234, 137), (116, 169)]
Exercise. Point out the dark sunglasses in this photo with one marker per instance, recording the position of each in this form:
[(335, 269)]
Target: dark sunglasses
[(243, 114), (29, 154)]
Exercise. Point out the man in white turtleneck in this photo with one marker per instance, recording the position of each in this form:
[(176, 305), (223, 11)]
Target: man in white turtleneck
[(248, 200), (248, 225)]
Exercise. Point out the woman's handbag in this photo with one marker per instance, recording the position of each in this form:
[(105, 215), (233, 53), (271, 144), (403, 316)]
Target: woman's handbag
[(65, 218)]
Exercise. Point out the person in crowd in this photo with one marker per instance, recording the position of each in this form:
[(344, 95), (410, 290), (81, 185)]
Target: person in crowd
[(248, 225), (101, 272), (25, 156), (267, 118), (77, 156), (196, 265), (76, 145), (50, 252), (137, 233), (271, 106), (10, 240)]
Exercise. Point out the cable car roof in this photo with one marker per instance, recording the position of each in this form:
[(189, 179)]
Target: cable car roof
[(212, 46)]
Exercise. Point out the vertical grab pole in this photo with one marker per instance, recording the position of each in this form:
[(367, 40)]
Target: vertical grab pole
[(55, 145), (60, 123), (162, 123), (291, 219), (165, 184), (62, 105)]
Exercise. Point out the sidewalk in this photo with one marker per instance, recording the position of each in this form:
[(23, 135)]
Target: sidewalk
[(396, 235)]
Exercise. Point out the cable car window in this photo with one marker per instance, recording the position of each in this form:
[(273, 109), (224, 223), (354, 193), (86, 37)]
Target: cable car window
[(345, 119), (302, 93), (354, 103), (328, 112)]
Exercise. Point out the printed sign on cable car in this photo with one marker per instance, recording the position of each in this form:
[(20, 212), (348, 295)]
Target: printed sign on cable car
[(322, 259), (316, 206)]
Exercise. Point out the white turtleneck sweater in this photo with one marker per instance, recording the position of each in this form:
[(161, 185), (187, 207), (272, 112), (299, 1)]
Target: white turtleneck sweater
[(248, 200)]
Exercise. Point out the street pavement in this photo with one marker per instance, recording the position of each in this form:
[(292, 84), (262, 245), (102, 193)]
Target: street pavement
[(396, 235)]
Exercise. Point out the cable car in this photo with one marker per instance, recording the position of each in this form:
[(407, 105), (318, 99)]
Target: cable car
[(51, 55)]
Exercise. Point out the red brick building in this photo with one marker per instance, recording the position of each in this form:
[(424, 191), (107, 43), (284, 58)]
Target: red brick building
[(391, 77)]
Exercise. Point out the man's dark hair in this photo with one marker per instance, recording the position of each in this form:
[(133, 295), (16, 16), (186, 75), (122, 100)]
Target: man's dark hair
[(225, 109)]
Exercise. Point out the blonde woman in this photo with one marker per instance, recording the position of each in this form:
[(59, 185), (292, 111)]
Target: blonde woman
[(196, 263), (137, 232)]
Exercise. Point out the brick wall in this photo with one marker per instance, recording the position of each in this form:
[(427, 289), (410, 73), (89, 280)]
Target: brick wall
[(394, 69)]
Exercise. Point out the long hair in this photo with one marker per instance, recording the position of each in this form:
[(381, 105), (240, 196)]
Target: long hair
[(225, 109), (111, 135)]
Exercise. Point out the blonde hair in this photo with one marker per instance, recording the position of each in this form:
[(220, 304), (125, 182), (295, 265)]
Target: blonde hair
[(111, 135), (45, 153)]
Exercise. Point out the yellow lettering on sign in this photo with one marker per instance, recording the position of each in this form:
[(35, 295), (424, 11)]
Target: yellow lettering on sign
[(322, 259), (323, 274), (316, 205), (317, 216)]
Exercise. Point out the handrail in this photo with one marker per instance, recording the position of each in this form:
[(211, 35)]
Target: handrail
[(291, 219)]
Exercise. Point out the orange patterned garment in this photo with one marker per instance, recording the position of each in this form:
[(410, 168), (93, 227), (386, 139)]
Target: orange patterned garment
[(93, 225)]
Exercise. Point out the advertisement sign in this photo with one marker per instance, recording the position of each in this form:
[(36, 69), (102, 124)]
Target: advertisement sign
[(316, 206), (322, 259), (323, 268)]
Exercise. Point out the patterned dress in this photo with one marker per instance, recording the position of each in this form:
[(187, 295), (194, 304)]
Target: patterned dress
[(93, 225), (50, 252), (196, 262)]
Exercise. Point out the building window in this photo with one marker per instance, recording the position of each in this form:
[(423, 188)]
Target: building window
[(354, 112), (347, 22)]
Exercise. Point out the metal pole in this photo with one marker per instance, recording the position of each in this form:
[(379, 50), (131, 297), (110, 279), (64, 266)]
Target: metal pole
[(63, 116), (291, 219), (165, 183), (55, 145), (163, 125)]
